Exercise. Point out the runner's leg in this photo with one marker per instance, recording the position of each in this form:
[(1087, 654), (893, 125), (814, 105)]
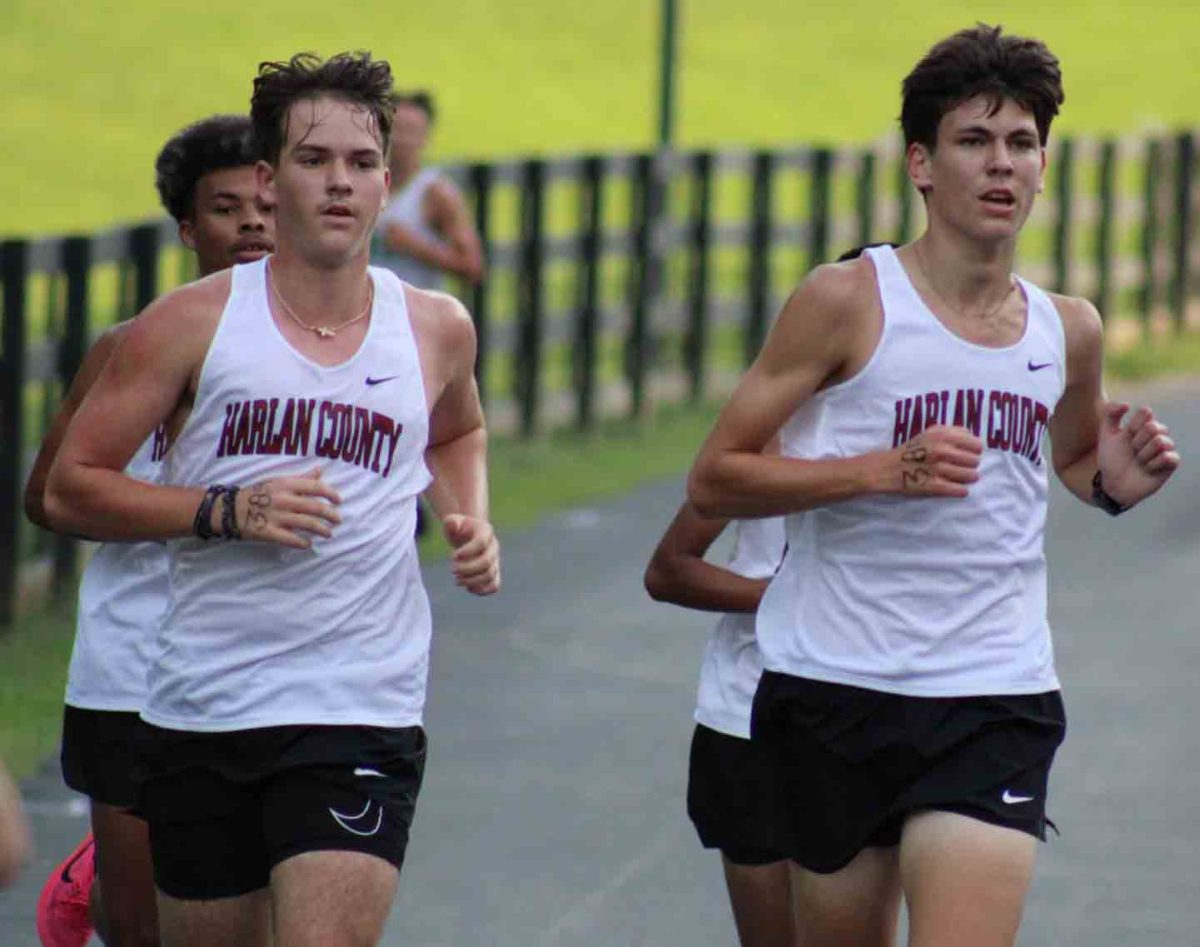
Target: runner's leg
[(242, 920), (962, 874), (857, 906), (331, 899), (123, 903), (761, 896)]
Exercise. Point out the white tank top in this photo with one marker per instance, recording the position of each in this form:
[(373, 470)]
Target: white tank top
[(259, 635), (406, 207), (732, 664), (926, 597), (122, 597)]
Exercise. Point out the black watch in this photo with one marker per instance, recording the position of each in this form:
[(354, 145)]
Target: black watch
[(1101, 498)]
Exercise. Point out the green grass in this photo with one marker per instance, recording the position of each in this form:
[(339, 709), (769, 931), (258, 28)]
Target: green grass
[(33, 674), (93, 89), (528, 480), (1156, 357)]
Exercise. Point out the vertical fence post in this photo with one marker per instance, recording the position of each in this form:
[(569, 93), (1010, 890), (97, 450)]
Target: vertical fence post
[(143, 248), (644, 193), (1185, 171), (695, 342), (865, 197), (13, 256), (758, 289), (1150, 233), (480, 177), (528, 356), (77, 262), (904, 199), (1062, 225), (821, 171), (591, 246), (1104, 227)]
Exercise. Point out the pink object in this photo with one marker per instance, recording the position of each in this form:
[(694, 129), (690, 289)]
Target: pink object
[(62, 911)]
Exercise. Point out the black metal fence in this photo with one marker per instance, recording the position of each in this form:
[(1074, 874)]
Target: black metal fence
[(619, 281)]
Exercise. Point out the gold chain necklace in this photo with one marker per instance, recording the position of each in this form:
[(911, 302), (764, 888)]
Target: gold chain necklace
[(987, 316), (324, 332)]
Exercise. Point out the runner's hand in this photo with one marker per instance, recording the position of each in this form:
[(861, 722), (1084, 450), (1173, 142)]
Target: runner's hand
[(476, 558), (1136, 458), (941, 461), (287, 511)]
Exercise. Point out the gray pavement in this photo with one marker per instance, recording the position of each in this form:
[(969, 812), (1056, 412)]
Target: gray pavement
[(552, 814)]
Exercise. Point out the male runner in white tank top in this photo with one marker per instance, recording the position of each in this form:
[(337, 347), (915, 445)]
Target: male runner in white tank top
[(206, 179), (731, 782), (910, 693), (425, 231), (284, 751)]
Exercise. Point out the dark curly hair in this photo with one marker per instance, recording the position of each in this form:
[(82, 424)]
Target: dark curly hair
[(980, 61), (222, 141), (352, 77)]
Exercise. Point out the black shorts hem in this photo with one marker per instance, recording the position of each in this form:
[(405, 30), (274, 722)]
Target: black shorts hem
[(282, 854), (213, 891)]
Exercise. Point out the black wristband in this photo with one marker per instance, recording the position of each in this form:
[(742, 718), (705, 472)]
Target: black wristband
[(1101, 498), (202, 524), (229, 526)]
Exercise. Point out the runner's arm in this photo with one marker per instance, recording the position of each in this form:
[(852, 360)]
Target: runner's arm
[(678, 572), (1086, 432), (1075, 425), (87, 491), (85, 377), (457, 249), (810, 344), (452, 218), (155, 364), (457, 456)]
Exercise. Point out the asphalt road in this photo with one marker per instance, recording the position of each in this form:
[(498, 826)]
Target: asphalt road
[(560, 712)]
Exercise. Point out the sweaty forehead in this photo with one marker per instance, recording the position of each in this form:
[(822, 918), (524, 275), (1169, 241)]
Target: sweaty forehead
[(330, 122)]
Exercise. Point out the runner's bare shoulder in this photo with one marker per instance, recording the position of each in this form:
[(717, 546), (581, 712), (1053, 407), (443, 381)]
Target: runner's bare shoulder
[(440, 319), (180, 324)]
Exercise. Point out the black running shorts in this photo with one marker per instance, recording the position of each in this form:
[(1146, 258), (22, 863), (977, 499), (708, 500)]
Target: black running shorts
[(225, 808), (99, 752), (731, 797), (855, 763)]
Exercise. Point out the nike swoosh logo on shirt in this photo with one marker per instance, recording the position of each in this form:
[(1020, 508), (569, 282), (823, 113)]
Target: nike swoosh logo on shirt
[(1037, 368), (1010, 800), (380, 381), (363, 771)]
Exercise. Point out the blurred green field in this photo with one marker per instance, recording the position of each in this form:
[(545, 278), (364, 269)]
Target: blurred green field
[(93, 89)]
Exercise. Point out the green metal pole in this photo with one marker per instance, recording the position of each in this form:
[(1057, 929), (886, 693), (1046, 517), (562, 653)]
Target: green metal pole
[(666, 83)]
